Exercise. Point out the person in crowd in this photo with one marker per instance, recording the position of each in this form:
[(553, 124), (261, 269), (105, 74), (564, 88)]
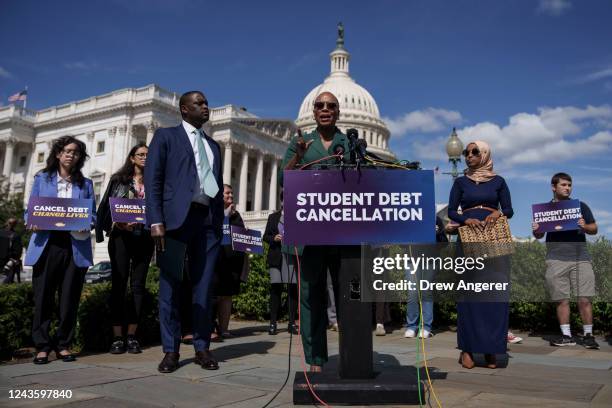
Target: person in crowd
[(382, 310), (316, 146), (413, 310), (484, 197), (231, 268), (332, 317), (10, 251), (383, 316), (283, 271), (130, 249), (568, 264), (185, 214), (59, 258)]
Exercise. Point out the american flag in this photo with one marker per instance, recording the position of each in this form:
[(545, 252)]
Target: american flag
[(19, 96)]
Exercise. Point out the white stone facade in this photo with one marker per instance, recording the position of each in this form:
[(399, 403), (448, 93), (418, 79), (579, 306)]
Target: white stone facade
[(111, 124)]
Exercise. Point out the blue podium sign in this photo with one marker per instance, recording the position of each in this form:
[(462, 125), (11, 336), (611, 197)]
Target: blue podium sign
[(352, 207)]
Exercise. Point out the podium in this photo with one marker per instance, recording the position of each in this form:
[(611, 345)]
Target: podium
[(355, 382)]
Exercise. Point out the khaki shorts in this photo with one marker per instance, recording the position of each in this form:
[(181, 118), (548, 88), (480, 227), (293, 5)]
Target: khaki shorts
[(566, 279)]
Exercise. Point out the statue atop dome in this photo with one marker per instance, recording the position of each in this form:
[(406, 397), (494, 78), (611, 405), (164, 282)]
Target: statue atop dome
[(340, 40)]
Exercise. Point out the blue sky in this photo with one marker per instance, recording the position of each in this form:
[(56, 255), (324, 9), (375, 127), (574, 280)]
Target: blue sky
[(532, 77)]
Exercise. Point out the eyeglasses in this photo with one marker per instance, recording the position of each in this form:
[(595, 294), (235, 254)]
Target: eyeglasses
[(474, 152), (323, 105), (73, 153), (141, 155)]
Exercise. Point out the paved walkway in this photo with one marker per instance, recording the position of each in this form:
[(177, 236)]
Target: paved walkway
[(254, 366)]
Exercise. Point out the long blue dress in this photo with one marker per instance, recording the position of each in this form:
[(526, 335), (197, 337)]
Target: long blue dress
[(482, 326)]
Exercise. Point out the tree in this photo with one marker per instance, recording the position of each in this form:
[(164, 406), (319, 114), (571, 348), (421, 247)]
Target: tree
[(11, 205)]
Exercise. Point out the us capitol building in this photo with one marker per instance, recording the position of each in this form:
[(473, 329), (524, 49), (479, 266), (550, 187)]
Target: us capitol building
[(252, 147)]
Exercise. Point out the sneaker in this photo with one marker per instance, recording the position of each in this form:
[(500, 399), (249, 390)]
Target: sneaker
[(588, 341), (512, 339), (410, 333), (334, 327), (563, 341), (380, 330), (272, 330), (133, 347), (425, 334), (118, 346)]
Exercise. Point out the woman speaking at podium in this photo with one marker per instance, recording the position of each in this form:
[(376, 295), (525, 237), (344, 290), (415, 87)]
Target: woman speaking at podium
[(316, 148)]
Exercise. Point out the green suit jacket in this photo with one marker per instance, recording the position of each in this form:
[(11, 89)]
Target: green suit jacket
[(316, 151)]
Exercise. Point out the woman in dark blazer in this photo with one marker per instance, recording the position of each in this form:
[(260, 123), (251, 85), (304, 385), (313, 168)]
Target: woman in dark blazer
[(483, 196), (281, 268), (230, 270), (130, 249), (59, 258)]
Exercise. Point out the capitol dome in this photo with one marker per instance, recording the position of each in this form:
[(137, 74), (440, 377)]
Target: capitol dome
[(358, 109)]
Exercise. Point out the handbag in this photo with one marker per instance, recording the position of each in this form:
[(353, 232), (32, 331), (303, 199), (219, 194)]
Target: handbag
[(494, 240)]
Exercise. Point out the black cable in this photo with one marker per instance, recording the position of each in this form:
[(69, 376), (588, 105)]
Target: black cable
[(290, 331)]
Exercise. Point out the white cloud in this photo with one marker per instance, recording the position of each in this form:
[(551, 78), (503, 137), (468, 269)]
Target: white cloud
[(596, 76), (603, 219), (434, 149), (552, 134), (5, 74), (553, 7), (427, 120)]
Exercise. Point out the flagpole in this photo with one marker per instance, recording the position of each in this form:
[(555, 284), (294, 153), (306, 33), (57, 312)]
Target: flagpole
[(25, 101)]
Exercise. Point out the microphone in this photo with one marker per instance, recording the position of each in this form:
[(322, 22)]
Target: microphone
[(339, 151), (362, 145), (353, 136)]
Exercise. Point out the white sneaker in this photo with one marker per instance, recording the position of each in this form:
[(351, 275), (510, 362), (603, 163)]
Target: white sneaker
[(512, 339), (425, 334), (380, 330), (410, 333)]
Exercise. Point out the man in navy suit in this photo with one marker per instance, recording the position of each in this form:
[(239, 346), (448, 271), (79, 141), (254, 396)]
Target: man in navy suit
[(184, 201)]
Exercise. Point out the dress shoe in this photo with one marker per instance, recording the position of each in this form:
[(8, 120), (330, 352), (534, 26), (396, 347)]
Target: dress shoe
[(170, 363), (272, 330), (118, 346), (41, 360), (133, 347), (66, 357), (206, 360)]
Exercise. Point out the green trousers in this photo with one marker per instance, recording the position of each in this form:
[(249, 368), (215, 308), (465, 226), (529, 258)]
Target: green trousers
[(315, 261)]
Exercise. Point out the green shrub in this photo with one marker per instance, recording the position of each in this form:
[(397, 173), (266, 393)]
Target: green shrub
[(16, 312), (93, 331), (252, 302)]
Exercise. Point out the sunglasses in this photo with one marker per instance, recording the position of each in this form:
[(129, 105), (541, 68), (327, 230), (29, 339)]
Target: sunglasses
[(73, 153), (474, 152), (323, 105)]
